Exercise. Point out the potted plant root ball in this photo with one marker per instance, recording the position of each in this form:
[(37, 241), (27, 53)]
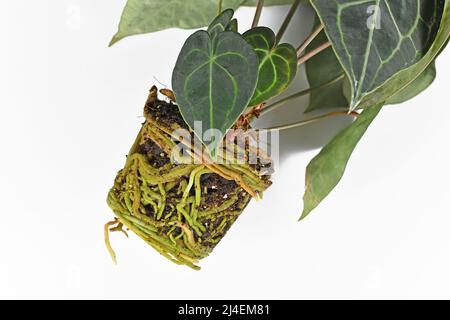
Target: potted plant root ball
[(198, 160), (173, 195)]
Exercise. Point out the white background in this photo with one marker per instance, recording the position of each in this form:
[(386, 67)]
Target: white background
[(70, 109)]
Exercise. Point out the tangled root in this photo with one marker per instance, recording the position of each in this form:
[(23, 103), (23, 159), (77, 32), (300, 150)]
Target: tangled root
[(181, 210)]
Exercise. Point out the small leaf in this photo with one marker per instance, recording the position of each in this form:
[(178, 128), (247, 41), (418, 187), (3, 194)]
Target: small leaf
[(277, 64), (214, 81), (420, 84), (233, 26), (220, 23), (375, 40), (145, 16), (327, 168)]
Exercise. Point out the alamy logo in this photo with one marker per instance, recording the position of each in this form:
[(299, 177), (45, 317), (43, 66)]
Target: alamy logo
[(374, 20)]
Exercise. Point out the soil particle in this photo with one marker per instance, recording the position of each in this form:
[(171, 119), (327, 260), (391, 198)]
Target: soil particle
[(166, 113), (215, 182), (217, 222), (218, 189), (240, 202), (149, 211), (176, 232), (156, 156)]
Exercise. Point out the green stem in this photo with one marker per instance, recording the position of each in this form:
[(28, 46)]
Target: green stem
[(288, 19), (309, 121), (259, 8), (283, 101), (219, 7), (313, 53)]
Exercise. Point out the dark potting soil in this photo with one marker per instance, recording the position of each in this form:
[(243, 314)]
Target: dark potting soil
[(218, 189), (166, 113), (156, 156)]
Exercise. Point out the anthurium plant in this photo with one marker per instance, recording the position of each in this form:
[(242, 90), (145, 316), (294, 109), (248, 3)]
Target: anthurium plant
[(359, 57)]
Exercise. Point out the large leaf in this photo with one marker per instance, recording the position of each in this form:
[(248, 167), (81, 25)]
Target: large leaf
[(277, 64), (408, 76), (376, 39), (323, 69), (326, 170), (213, 81), (145, 16)]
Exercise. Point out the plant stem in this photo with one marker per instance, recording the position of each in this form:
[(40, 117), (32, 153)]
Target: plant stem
[(314, 52), (286, 22), (312, 120), (281, 102), (259, 8), (308, 40), (219, 7)]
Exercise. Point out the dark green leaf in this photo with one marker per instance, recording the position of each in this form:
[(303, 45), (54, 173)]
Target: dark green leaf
[(322, 69), (406, 77), (145, 16), (326, 170), (214, 81), (277, 64), (374, 45), (233, 26)]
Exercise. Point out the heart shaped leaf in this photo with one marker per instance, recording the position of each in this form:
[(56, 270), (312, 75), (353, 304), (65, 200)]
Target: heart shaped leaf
[(277, 64), (213, 81), (392, 36)]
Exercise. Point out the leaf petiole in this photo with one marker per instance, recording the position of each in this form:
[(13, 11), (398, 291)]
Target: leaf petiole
[(219, 6), (259, 8), (312, 120), (308, 40), (313, 53), (302, 93), (287, 21)]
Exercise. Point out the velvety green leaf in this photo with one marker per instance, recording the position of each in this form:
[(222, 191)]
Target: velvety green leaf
[(420, 84), (326, 170), (145, 16), (220, 23), (375, 40), (323, 69), (213, 81), (407, 77), (277, 64)]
